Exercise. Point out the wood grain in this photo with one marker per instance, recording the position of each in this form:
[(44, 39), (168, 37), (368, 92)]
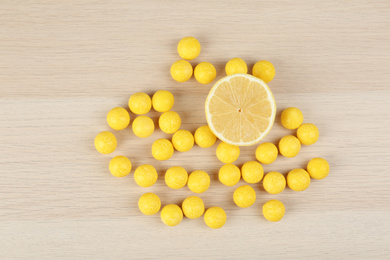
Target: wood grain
[(65, 64)]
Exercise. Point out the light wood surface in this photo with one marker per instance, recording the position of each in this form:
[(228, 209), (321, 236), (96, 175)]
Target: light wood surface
[(65, 64)]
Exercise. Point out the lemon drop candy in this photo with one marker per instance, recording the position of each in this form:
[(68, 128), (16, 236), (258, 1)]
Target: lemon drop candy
[(318, 168), (292, 118), (176, 177), (149, 204), (198, 181), (118, 118), (140, 103), (181, 70), (163, 101), (188, 48), (289, 146), (274, 182), (227, 153), (143, 126), (229, 174), (264, 70), (236, 65), (205, 72), (193, 207), (273, 210), (215, 217), (298, 180), (252, 172), (308, 134), (145, 175), (171, 215), (105, 142), (244, 196), (266, 153), (169, 122), (120, 166), (162, 149), (183, 140), (204, 137)]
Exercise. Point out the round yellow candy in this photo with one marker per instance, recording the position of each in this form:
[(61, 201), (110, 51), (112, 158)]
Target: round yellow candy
[(105, 142), (149, 204), (252, 172), (163, 101), (143, 126), (120, 166), (318, 168), (181, 70), (266, 153), (162, 149), (140, 103), (145, 175), (171, 215), (308, 134), (215, 217), (227, 153), (244, 196), (176, 177), (205, 72), (292, 118), (274, 182), (298, 179), (198, 181), (273, 210), (264, 70), (229, 174), (183, 140), (188, 48), (118, 118), (236, 65), (204, 137), (169, 122), (289, 146), (193, 207)]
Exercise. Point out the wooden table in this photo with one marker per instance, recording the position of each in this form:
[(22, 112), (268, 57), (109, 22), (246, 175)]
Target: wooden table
[(63, 66)]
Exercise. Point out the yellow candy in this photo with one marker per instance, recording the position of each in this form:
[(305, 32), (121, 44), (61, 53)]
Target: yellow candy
[(274, 182), (266, 153), (273, 210), (143, 126), (193, 207), (318, 168), (264, 70), (205, 72), (227, 153), (198, 181), (149, 204), (298, 179), (140, 103), (229, 174), (118, 118), (188, 48), (292, 118), (289, 146), (181, 71), (145, 175), (183, 140), (120, 166), (204, 137), (244, 196), (236, 65), (252, 172), (215, 217), (163, 101), (162, 149), (176, 177), (171, 215), (308, 134), (105, 142), (169, 122)]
